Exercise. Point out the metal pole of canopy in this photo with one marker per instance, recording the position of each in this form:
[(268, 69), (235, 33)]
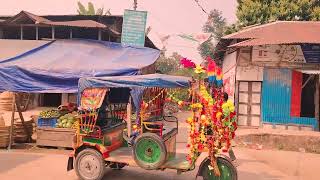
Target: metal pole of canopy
[(12, 120), (129, 106)]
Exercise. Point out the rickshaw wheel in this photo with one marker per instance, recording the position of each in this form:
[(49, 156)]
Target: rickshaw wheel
[(117, 166), (149, 151), (227, 169), (90, 165)]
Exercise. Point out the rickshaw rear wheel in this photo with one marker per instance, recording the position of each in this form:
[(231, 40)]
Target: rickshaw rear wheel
[(90, 165), (149, 151), (227, 169)]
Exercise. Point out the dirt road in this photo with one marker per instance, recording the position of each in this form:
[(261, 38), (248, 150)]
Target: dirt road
[(253, 165)]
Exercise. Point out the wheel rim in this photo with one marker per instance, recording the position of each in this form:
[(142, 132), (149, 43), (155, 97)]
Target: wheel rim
[(89, 166), (225, 171), (148, 151)]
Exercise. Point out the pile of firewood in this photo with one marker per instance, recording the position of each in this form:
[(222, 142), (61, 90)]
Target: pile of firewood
[(4, 134)]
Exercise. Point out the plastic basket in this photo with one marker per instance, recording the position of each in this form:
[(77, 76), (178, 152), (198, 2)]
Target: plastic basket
[(47, 122)]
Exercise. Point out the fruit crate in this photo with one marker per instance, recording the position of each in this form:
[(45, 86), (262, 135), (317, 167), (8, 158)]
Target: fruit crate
[(47, 122), (55, 137)]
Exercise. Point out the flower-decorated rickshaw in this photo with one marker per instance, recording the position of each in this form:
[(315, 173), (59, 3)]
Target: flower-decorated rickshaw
[(122, 123)]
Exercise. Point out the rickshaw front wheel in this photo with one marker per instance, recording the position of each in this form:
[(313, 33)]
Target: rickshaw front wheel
[(227, 169), (90, 165)]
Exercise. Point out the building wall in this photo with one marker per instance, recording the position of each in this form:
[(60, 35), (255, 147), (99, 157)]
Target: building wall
[(273, 67), (229, 74), (277, 99), (276, 95)]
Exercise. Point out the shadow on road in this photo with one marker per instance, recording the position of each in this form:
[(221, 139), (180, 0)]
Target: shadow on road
[(136, 173)]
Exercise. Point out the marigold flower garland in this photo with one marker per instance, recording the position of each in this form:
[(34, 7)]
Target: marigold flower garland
[(213, 122)]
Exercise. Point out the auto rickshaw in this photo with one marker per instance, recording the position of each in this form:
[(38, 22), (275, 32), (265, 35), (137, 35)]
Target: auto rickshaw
[(122, 123)]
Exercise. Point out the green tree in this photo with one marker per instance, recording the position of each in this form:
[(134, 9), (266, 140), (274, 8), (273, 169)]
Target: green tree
[(90, 10), (168, 65), (216, 25), (250, 12)]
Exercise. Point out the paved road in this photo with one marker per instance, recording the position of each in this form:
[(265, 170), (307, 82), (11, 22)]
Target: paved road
[(253, 165)]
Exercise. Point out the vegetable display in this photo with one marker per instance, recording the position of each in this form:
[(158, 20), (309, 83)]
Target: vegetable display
[(52, 113), (67, 120)]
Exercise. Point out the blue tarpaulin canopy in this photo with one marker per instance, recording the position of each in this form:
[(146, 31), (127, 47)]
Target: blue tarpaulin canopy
[(135, 83), (57, 66), (138, 81)]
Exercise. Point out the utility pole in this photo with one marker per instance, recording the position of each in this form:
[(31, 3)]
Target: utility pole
[(135, 4)]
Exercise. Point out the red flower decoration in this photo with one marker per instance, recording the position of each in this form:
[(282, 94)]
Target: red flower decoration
[(187, 63)]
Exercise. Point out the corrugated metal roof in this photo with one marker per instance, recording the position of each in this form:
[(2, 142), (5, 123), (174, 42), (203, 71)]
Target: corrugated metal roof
[(41, 20), (77, 23), (12, 48), (310, 71), (25, 14), (279, 32)]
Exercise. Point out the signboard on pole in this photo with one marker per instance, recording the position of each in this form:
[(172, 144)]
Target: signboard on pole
[(133, 28)]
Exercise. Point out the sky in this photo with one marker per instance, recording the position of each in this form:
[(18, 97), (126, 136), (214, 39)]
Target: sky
[(166, 17)]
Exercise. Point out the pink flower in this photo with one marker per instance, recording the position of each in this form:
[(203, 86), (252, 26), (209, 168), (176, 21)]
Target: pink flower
[(187, 63)]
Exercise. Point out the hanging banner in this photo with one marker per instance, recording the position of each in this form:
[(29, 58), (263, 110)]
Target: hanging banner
[(92, 98), (311, 52), (200, 38), (133, 28)]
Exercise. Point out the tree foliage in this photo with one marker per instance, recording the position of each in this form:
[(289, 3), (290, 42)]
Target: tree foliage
[(168, 65), (252, 12), (216, 25), (90, 10)]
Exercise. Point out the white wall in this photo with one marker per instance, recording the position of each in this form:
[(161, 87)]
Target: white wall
[(249, 73), (229, 72), (277, 53)]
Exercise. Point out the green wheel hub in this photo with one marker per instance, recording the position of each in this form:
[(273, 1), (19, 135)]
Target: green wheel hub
[(148, 151), (225, 172)]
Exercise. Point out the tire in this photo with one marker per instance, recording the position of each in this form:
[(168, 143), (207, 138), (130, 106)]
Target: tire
[(149, 151), (227, 169), (90, 165), (117, 166)]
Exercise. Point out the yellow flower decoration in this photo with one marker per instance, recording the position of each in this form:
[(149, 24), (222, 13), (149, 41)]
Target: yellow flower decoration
[(231, 109), (199, 69)]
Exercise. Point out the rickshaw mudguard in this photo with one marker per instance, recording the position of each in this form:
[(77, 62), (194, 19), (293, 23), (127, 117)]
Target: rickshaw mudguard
[(70, 164), (103, 150), (199, 173)]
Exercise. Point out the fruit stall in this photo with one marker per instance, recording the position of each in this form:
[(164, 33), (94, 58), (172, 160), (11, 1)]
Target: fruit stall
[(56, 127), (32, 75)]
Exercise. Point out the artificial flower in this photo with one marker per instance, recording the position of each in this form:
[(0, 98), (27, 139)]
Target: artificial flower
[(199, 69)]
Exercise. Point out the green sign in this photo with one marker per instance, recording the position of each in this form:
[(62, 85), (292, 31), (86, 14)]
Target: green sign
[(133, 28)]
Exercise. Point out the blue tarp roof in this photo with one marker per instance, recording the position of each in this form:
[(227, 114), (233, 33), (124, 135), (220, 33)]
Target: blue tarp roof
[(57, 66), (138, 81)]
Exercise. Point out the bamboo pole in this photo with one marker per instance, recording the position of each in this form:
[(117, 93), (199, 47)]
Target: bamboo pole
[(17, 102), (12, 120), (135, 4), (317, 99)]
